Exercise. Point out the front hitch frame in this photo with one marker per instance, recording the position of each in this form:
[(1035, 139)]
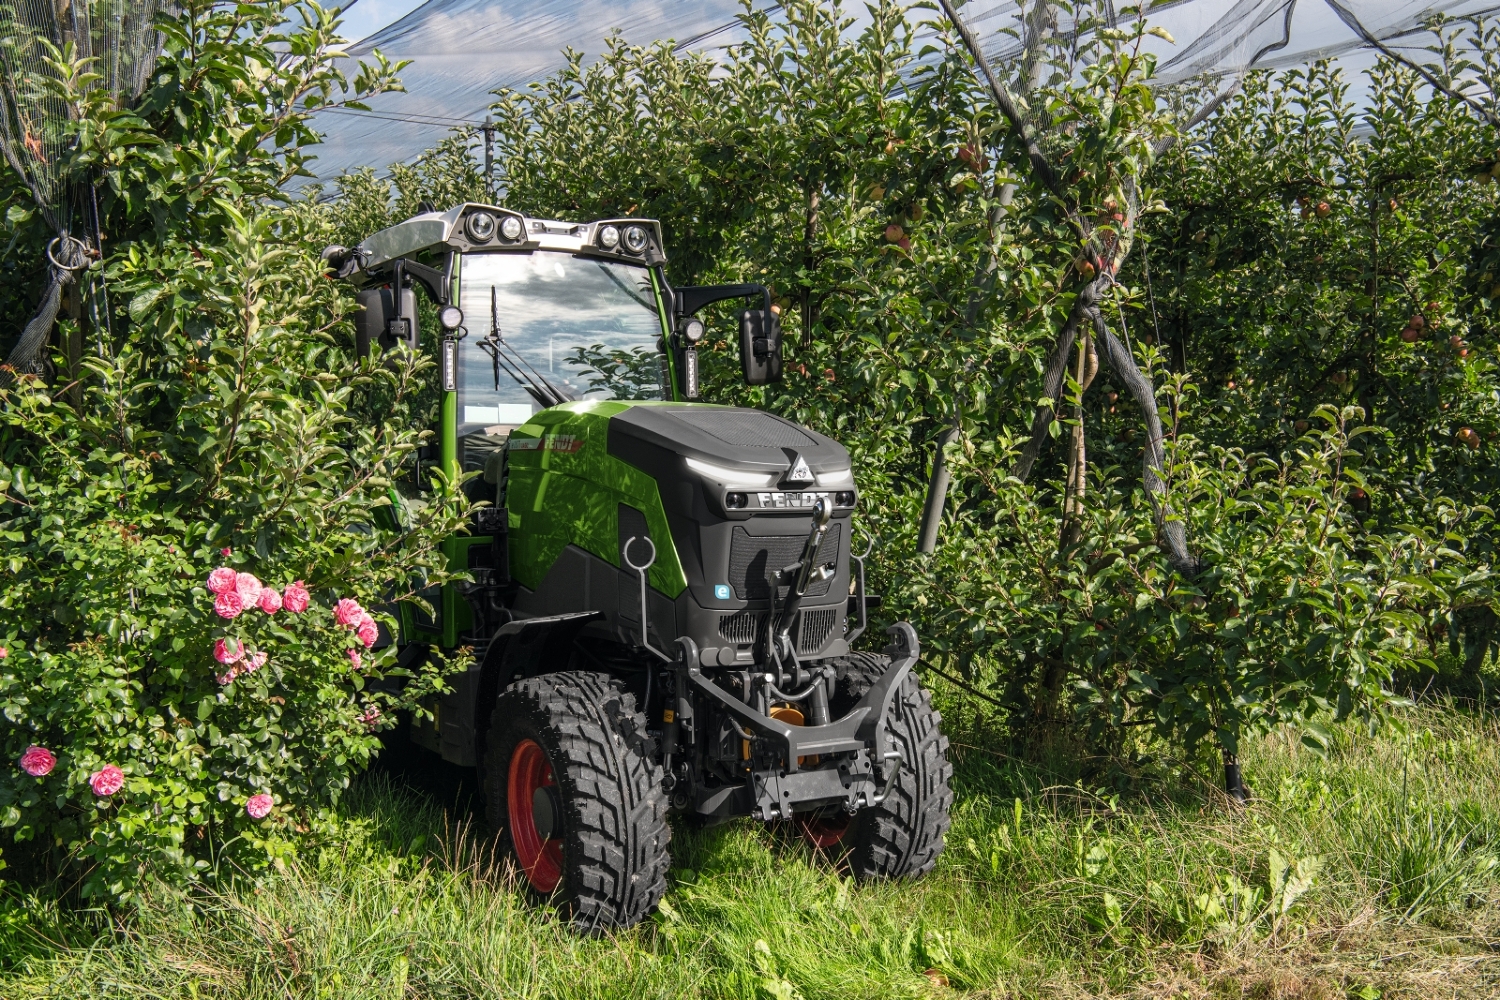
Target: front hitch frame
[(863, 728)]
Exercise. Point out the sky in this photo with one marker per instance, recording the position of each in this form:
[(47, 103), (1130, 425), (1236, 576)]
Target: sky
[(461, 50), (368, 16)]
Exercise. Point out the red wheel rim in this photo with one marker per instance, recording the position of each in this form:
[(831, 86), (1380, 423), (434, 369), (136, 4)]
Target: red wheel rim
[(540, 859), (823, 832)]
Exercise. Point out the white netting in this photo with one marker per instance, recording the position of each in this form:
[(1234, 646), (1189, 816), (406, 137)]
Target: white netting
[(116, 34), (461, 50)]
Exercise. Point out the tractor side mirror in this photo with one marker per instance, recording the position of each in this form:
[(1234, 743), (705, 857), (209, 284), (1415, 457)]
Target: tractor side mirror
[(760, 346), (377, 320)]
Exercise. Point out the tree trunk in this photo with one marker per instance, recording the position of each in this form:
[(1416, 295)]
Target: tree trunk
[(72, 342), (1052, 381), (937, 494), (1367, 360), (1153, 462), (1234, 781), (937, 485), (1072, 526), (809, 233)]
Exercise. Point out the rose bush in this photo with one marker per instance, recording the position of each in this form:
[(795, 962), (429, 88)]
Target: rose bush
[(182, 510), (172, 687)]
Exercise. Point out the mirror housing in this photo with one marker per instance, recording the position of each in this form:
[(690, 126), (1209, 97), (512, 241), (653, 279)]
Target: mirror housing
[(760, 346), (377, 320)]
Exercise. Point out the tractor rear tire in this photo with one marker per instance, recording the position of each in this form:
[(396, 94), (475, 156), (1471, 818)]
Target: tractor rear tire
[(902, 835), (577, 743)]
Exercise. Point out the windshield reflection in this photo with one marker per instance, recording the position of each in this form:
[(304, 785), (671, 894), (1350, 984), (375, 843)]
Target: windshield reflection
[(545, 326)]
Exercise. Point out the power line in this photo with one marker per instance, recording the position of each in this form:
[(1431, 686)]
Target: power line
[(412, 118)]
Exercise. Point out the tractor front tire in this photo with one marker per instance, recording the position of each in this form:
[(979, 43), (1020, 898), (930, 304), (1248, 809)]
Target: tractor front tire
[(570, 784), (903, 834)]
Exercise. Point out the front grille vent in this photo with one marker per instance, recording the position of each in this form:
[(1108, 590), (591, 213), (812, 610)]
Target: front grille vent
[(740, 627), (813, 630), (751, 557), (633, 525)]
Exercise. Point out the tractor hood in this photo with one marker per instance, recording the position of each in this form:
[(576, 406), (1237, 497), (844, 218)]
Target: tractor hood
[(748, 449)]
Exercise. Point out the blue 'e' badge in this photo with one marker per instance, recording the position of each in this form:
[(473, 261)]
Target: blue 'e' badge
[(721, 591)]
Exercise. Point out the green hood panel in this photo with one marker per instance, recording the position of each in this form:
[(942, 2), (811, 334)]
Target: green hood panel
[(565, 488)]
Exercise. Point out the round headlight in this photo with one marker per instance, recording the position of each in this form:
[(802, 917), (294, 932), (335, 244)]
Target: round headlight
[(693, 330), (451, 317), (480, 227), (635, 239), (510, 227), (609, 237)]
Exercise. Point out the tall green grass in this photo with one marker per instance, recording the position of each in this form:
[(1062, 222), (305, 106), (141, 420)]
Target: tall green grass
[(1370, 872)]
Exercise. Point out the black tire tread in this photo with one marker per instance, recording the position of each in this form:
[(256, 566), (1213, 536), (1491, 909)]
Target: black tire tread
[(616, 834), (903, 835)]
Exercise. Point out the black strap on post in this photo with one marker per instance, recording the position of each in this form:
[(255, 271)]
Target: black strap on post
[(68, 256)]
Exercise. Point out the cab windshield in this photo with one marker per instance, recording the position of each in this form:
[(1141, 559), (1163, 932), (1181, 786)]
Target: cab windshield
[(546, 326)]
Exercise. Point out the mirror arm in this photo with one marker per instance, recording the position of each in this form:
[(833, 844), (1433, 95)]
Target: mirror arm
[(430, 278), (434, 281), (691, 299)]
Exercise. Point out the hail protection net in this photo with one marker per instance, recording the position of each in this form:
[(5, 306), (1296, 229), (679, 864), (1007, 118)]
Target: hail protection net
[(117, 37), (464, 50)]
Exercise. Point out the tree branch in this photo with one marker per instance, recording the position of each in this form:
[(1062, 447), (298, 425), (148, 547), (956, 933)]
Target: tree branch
[(1153, 463), (1199, 117), (1052, 381), (1044, 170)]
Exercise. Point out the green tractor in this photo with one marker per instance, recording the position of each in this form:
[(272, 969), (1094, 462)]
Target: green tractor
[(663, 609)]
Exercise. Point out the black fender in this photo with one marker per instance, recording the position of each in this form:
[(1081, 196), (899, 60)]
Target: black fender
[(522, 648)]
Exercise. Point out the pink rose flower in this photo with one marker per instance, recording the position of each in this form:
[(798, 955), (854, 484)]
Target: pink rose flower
[(4, 652), (229, 678), (270, 600), (258, 806), (371, 716), (226, 551), (354, 659), (228, 650), (367, 631), (347, 611), (228, 604), (107, 780), (38, 761), (220, 580), (257, 660), (249, 588), (296, 597)]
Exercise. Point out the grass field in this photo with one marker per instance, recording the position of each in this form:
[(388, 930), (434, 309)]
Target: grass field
[(1370, 873)]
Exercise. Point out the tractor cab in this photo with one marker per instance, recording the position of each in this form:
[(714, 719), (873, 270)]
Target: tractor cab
[(664, 593)]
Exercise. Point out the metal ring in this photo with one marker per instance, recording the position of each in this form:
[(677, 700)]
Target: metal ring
[(82, 246), (868, 548), (625, 553)]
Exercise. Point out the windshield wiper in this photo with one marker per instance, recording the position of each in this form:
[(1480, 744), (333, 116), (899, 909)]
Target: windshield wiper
[(503, 355)]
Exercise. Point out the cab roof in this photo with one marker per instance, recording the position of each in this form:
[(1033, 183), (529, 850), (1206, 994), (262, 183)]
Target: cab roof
[(473, 227)]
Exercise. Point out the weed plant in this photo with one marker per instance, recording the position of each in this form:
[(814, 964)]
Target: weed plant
[(1370, 871)]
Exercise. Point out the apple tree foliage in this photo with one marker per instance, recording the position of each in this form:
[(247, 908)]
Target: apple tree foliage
[(926, 253)]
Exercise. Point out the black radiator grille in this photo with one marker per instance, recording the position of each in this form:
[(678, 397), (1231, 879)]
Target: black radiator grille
[(813, 630), (752, 556), (740, 626)]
